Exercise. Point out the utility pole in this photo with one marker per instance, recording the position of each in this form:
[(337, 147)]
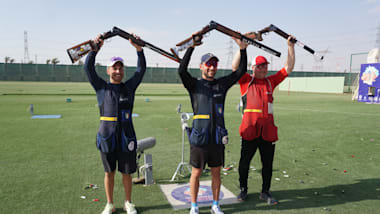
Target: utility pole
[(26, 51), (230, 54)]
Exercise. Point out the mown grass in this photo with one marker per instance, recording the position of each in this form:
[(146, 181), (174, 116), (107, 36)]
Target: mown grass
[(45, 164)]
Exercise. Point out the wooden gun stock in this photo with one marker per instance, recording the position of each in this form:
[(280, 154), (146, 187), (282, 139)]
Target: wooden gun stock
[(193, 39), (198, 36), (78, 51)]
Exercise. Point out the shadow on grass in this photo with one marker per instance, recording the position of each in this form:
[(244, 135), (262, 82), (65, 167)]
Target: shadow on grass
[(366, 189), (142, 209)]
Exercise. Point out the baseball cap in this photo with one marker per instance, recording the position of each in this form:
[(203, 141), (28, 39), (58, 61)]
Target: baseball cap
[(114, 60), (207, 57), (259, 60)]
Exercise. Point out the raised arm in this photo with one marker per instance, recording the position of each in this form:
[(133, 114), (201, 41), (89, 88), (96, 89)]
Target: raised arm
[(231, 79), (290, 61), (187, 80), (236, 61), (136, 79), (89, 66)]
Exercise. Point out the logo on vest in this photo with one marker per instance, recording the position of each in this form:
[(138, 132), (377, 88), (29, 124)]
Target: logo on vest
[(122, 99), (126, 115), (225, 140), (220, 110), (131, 145)]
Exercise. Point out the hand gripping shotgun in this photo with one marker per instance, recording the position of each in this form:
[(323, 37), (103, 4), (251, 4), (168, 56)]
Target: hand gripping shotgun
[(194, 39), (213, 25), (76, 52), (277, 30)]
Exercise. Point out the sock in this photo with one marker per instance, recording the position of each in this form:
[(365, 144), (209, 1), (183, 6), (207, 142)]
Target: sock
[(194, 204), (216, 203)]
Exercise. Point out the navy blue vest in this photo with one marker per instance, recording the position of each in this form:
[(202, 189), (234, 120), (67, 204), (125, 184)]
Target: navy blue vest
[(116, 128), (208, 105)]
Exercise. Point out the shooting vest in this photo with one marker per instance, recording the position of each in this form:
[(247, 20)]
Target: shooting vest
[(116, 127), (208, 120), (258, 113)]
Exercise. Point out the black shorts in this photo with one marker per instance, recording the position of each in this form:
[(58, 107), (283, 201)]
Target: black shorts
[(126, 161), (212, 154)]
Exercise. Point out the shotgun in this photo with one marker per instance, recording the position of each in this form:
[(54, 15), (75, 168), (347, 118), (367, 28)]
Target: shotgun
[(143, 43), (213, 25), (245, 39), (280, 32)]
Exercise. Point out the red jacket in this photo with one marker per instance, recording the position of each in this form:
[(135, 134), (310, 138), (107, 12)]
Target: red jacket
[(257, 97)]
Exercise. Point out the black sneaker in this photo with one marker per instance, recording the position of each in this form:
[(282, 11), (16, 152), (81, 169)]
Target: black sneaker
[(267, 196), (242, 195)]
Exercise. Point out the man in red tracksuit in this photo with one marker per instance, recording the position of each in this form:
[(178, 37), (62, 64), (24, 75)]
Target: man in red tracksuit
[(257, 128)]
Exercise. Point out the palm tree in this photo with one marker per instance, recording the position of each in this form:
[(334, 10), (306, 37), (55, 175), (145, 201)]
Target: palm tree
[(54, 61), (7, 59), (48, 61)]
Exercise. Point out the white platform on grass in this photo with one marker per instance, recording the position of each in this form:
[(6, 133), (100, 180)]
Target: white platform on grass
[(178, 195)]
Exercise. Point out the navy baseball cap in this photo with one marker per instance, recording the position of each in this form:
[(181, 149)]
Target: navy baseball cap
[(207, 57)]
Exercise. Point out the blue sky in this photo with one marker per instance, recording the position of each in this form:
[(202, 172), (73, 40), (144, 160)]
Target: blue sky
[(342, 27)]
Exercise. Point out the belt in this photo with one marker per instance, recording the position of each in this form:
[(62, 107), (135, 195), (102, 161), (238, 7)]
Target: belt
[(108, 118), (253, 110), (201, 116)]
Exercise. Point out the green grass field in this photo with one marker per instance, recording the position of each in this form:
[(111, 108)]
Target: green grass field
[(45, 164)]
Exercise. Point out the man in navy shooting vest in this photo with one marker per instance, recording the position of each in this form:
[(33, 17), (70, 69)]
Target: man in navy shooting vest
[(116, 138), (208, 135)]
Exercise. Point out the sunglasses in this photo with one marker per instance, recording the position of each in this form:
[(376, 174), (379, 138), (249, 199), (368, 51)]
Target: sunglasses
[(212, 63)]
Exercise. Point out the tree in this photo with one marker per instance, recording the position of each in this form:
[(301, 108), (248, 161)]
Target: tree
[(98, 64), (9, 60), (54, 61), (48, 61), (30, 62)]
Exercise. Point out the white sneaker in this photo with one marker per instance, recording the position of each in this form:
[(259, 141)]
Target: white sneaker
[(194, 210), (129, 207), (216, 210), (109, 209)]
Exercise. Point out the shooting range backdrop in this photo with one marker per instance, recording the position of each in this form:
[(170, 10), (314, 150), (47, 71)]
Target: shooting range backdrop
[(75, 73), (369, 83)]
